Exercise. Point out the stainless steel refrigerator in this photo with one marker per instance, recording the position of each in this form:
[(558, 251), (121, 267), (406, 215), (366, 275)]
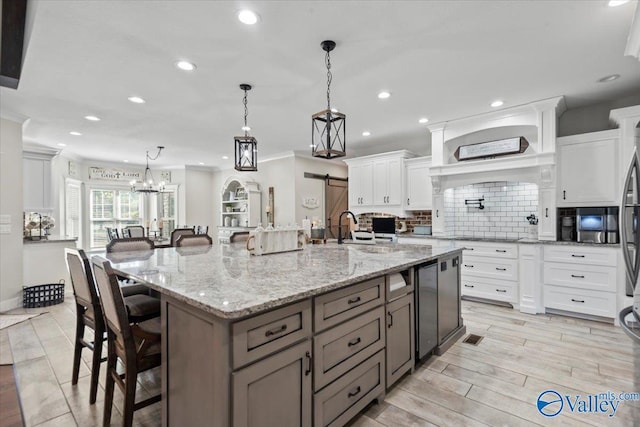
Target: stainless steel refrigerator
[(630, 242)]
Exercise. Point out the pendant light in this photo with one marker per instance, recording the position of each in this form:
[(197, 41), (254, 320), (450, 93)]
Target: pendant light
[(246, 146), (328, 127), (146, 186)]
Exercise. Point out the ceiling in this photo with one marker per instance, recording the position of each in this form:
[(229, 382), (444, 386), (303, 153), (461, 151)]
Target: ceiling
[(439, 59)]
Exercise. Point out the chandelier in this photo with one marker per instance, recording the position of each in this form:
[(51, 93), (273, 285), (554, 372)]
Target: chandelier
[(328, 138), (246, 147), (147, 183)]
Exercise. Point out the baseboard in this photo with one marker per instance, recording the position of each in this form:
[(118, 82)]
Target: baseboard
[(10, 304)]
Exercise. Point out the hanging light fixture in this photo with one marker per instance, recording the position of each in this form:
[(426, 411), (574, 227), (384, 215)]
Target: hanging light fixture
[(147, 184), (328, 127), (246, 146)]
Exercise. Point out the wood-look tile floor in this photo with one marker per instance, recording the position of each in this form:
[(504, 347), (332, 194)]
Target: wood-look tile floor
[(495, 383)]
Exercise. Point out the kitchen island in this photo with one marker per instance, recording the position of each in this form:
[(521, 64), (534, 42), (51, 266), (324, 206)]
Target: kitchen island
[(296, 338)]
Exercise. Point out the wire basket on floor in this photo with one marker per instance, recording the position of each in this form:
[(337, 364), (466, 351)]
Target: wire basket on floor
[(43, 295)]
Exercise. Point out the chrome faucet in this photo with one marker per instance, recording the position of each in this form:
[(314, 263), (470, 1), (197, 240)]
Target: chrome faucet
[(355, 221)]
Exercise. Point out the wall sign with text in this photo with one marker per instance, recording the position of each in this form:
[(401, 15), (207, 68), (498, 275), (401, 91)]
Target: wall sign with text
[(491, 149)]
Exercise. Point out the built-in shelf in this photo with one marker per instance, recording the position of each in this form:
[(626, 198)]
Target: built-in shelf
[(248, 200), (234, 201), (233, 213)]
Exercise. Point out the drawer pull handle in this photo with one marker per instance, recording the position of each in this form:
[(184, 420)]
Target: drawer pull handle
[(468, 265), (275, 331), (577, 300), (354, 341), (469, 249), (354, 300), (355, 392), (501, 251), (469, 286), (577, 256), (501, 290), (501, 269), (577, 276), (307, 371), (390, 324)]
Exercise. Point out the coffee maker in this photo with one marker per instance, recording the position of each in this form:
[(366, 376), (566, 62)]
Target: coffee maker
[(568, 229)]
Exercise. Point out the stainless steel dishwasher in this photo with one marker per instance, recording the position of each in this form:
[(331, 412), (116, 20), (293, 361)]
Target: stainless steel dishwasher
[(437, 303)]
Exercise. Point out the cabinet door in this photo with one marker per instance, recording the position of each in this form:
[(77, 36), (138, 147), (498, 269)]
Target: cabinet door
[(380, 182), (547, 214), (588, 173), (437, 215), (400, 343), (275, 391), (419, 187), (360, 184), (394, 182), (36, 184)]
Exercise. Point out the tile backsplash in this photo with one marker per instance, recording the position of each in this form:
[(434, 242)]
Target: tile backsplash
[(506, 206), (418, 218)]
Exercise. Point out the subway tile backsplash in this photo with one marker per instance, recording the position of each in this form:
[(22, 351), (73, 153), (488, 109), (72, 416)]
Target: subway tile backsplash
[(506, 206)]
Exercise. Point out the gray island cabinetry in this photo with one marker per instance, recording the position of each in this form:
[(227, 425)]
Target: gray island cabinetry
[(306, 338)]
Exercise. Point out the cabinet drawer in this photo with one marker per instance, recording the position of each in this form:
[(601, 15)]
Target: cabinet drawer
[(338, 350), (496, 250), (506, 269), (593, 277), (580, 300), (267, 333), (338, 306), (581, 255), (498, 290), (342, 400)]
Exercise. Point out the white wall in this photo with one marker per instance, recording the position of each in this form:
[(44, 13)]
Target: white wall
[(593, 118), (11, 205), (199, 195)]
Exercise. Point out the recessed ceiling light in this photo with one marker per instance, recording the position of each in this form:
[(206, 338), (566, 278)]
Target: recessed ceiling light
[(225, 157), (201, 163), (614, 3), (248, 17), (74, 133), (136, 100), (126, 161), (423, 120), (366, 133), (610, 78), (497, 103), (62, 144), (186, 65), (92, 118), (384, 95)]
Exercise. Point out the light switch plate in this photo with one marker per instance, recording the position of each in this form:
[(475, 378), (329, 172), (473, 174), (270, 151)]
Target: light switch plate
[(5, 228), (5, 219)]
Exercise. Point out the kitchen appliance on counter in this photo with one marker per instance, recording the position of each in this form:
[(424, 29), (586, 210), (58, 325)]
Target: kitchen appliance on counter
[(437, 310), (384, 227), (422, 230), (598, 225), (568, 229)]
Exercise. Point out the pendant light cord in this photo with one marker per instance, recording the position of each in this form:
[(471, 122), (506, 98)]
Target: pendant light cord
[(246, 113), (327, 61)]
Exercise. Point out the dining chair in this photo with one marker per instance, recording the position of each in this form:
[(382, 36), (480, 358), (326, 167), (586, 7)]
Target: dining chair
[(89, 313), (193, 240), (112, 233), (130, 244), (135, 231), (175, 234), (202, 229), (135, 346)]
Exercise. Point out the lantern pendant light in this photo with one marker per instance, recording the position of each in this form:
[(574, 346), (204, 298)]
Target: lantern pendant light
[(328, 127), (246, 147)]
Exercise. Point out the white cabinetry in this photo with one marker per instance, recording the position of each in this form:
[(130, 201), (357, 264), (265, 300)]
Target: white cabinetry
[(240, 204), (376, 183), (581, 279), (490, 270), (437, 216), (418, 184), (588, 172), (37, 181), (547, 214)]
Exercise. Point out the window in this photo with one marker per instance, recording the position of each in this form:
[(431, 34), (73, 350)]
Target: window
[(114, 209), (72, 210), (167, 210)]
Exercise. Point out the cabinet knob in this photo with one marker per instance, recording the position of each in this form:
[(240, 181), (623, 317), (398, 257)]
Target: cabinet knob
[(408, 202)]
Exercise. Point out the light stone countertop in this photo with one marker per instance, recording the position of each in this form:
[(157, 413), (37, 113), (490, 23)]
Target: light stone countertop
[(494, 240), (50, 239), (228, 282)]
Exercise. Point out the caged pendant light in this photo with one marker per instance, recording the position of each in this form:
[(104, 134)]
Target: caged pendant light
[(146, 186), (246, 147), (328, 127)]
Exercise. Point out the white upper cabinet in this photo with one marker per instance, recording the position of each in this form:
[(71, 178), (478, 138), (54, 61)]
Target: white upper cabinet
[(588, 172), (418, 184), (376, 183), (437, 216), (360, 184), (37, 182)]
